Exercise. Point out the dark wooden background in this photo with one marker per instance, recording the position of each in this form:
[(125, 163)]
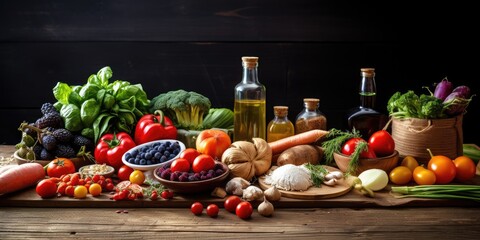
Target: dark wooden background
[(306, 49)]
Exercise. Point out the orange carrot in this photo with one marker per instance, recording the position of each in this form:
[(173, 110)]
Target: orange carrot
[(298, 139), (5, 168), (20, 177)]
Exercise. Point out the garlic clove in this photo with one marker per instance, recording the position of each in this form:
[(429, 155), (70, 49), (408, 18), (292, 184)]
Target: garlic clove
[(265, 208), (272, 194)]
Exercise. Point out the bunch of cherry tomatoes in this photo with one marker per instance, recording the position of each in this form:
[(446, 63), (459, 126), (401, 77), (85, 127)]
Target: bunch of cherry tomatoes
[(233, 204)]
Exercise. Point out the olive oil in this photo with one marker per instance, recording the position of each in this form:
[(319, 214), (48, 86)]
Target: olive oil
[(249, 120), (249, 105), (280, 127)]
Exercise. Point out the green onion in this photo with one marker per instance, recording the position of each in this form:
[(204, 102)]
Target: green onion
[(470, 192)]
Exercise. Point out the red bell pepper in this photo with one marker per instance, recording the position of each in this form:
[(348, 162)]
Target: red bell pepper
[(111, 147), (155, 126)]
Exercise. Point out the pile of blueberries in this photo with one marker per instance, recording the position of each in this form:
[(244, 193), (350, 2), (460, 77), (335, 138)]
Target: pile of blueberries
[(166, 173), (155, 153)]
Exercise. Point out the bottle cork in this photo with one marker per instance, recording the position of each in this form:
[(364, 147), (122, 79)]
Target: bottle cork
[(250, 62), (367, 72), (280, 111), (311, 103)]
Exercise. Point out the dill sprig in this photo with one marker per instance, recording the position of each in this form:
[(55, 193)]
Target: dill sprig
[(317, 173), (335, 142), (354, 162)]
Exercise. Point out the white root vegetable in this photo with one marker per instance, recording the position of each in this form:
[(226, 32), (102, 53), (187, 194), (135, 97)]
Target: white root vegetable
[(265, 208), (252, 193), (374, 179), (236, 185), (272, 194), (335, 174)]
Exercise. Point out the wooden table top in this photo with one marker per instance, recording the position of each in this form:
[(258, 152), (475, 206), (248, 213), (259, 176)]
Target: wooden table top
[(345, 217)]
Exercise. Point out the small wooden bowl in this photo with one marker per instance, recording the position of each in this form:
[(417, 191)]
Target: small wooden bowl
[(385, 163), (78, 161), (195, 186)]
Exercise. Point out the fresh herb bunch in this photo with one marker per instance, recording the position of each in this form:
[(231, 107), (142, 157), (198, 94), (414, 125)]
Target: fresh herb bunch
[(317, 173), (336, 138)]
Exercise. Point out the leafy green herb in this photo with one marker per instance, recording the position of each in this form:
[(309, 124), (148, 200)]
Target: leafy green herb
[(410, 105), (317, 173), (335, 142), (353, 164)]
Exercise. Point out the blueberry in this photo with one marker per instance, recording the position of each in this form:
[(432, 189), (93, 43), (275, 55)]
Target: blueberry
[(171, 156), (137, 161), (143, 162), (128, 155), (149, 162), (148, 156), (168, 143), (176, 151), (166, 153), (157, 155), (131, 160), (163, 159)]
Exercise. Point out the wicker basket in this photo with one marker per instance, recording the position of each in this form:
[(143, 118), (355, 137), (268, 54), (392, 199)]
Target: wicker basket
[(442, 136)]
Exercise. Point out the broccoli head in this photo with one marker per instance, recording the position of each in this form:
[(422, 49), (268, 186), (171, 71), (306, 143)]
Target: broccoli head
[(186, 109)]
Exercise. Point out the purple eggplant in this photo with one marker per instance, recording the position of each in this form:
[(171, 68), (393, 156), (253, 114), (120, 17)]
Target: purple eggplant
[(443, 89), (455, 104), (463, 90)]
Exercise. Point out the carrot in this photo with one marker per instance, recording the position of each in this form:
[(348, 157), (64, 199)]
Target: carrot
[(5, 168), (298, 139), (20, 177)]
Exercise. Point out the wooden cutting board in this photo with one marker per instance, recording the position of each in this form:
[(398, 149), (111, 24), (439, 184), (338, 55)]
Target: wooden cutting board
[(321, 192)]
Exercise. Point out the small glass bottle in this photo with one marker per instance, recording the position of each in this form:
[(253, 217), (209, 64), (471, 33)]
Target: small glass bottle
[(249, 107), (280, 127), (310, 117), (365, 118)]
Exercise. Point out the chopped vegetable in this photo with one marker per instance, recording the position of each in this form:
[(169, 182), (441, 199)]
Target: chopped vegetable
[(218, 118), (470, 192), (186, 109)]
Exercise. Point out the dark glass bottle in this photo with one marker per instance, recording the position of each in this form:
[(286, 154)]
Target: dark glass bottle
[(365, 118)]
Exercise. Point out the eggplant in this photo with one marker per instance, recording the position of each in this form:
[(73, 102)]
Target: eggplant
[(455, 104), (443, 89), (463, 90)]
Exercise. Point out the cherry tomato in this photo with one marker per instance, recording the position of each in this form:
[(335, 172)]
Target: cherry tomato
[(154, 195), (61, 188), (190, 154), (109, 186), (69, 190), (196, 208), (124, 172), (400, 175), (132, 196), (231, 203), (167, 194), (409, 162), (203, 162), (74, 179), (80, 192), (423, 176), (181, 165), (213, 142), (137, 177), (443, 167), (95, 189), (244, 210), (59, 167), (350, 145), (382, 143), (212, 210), (46, 188), (466, 168)]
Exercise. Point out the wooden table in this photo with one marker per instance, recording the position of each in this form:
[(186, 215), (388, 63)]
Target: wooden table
[(348, 216)]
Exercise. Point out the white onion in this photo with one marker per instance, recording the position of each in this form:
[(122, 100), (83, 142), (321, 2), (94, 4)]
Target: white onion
[(374, 179)]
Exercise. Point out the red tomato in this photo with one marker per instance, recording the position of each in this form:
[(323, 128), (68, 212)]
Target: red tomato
[(70, 190), (203, 162), (190, 154), (349, 148), (124, 172), (60, 166), (443, 167), (231, 203), (46, 188), (181, 165), (244, 210), (167, 194), (212, 210), (382, 143), (196, 208), (213, 142), (465, 168)]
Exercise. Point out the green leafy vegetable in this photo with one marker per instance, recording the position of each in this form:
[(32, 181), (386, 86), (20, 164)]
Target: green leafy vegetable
[(218, 118), (410, 105), (71, 116)]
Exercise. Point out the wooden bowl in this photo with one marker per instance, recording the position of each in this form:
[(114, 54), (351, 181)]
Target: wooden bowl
[(385, 163), (78, 161), (195, 186)]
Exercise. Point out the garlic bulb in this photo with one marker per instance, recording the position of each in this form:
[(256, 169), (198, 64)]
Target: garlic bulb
[(252, 193), (290, 177), (265, 208), (272, 194), (236, 185)]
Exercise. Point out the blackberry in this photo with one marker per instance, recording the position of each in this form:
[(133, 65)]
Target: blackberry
[(65, 151), (37, 149), (49, 142), (62, 135), (30, 131), (46, 155), (50, 120), (48, 108), (79, 141)]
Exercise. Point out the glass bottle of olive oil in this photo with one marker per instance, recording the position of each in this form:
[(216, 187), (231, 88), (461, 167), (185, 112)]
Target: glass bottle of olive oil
[(249, 108), (365, 118), (280, 127)]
